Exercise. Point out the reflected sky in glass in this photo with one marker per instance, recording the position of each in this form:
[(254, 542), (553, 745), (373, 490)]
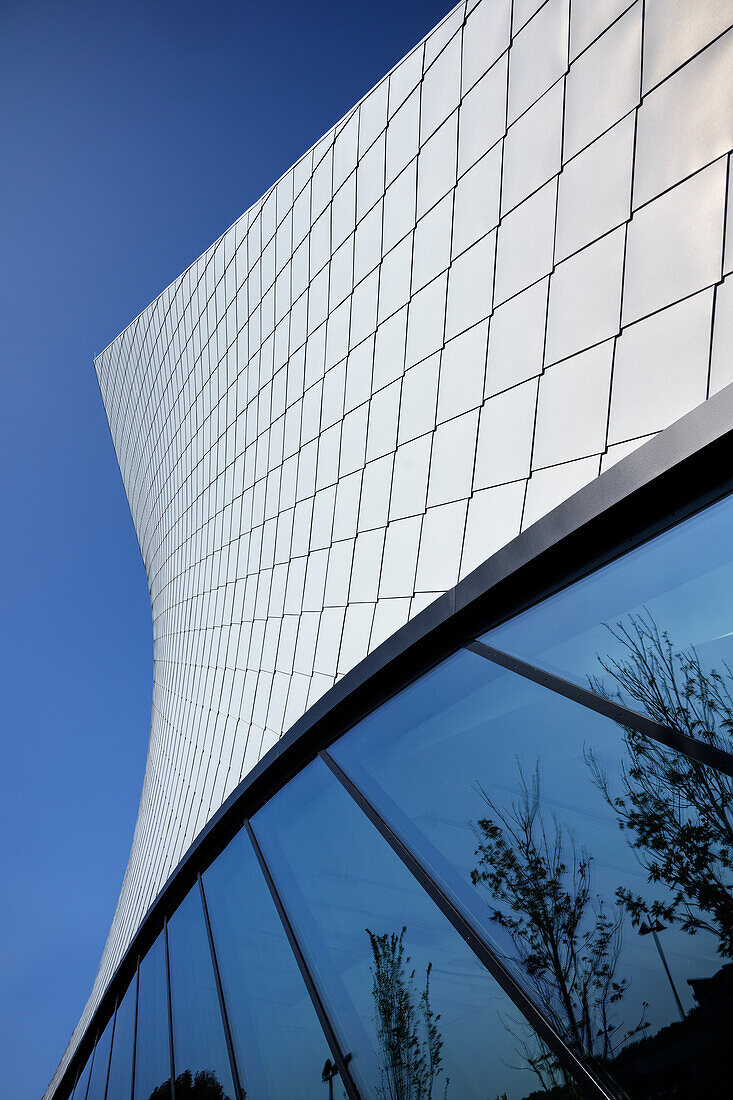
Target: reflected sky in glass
[(152, 1047), (388, 963), (119, 1085), (618, 629), (506, 791), (80, 1091), (199, 1045), (275, 1030), (98, 1079)]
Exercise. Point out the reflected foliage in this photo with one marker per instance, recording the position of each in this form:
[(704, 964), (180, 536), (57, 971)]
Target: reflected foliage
[(677, 817), (564, 901), (202, 1085), (408, 1037), (162, 1092), (677, 814), (567, 940)]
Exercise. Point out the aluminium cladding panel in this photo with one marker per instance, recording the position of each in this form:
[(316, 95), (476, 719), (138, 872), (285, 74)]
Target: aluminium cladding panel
[(506, 268)]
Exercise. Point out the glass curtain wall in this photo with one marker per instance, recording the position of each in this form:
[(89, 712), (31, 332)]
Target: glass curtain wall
[(484, 888), (275, 1030), (80, 1091), (200, 1051), (100, 1067), (119, 1081), (152, 1034), (414, 1007)]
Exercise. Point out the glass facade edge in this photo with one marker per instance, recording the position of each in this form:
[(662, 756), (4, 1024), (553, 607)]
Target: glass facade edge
[(687, 453)]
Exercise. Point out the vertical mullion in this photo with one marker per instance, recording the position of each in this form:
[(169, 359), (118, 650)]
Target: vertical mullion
[(73, 1087), (134, 1030), (91, 1067), (471, 935), (220, 993), (170, 1009), (341, 1062), (111, 1044)]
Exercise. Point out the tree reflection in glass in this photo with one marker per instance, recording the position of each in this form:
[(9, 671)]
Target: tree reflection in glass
[(152, 1042), (567, 940), (202, 1085), (417, 1013), (200, 1055), (409, 1041), (677, 814), (677, 817), (493, 781)]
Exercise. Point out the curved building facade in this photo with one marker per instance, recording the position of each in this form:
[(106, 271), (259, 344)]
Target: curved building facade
[(424, 812)]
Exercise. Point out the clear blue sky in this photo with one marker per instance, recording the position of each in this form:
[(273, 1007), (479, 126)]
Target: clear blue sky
[(132, 134)]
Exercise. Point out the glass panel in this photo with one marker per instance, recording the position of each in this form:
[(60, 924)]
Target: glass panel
[(98, 1079), (650, 629), (80, 1091), (152, 1044), (276, 1034), (418, 1013), (199, 1047), (603, 859), (119, 1086)]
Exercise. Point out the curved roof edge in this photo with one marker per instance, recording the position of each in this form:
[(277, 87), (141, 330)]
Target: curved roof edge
[(682, 469), (311, 148)]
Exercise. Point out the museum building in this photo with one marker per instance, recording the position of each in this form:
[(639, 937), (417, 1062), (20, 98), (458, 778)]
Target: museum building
[(430, 458)]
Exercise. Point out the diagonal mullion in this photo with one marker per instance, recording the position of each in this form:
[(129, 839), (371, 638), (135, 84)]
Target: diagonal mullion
[(134, 1032), (170, 1009), (234, 1069), (111, 1044), (323, 1019), (699, 751), (504, 978)]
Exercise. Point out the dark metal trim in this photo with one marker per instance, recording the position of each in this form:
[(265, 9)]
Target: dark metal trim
[(477, 944), (239, 1091), (698, 751), (170, 1009), (678, 472), (324, 1021), (73, 1087), (91, 1066)]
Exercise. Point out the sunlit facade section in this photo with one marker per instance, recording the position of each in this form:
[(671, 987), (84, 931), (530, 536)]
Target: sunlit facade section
[(503, 272)]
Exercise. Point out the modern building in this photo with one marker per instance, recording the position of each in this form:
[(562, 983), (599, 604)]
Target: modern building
[(428, 458)]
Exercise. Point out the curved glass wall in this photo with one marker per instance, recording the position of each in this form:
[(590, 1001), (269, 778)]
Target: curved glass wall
[(199, 1043), (652, 629), (274, 1027), (119, 1080), (100, 1066), (417, 1011), (484, 888), (152, 1033), (544, 821), (80, 1091)]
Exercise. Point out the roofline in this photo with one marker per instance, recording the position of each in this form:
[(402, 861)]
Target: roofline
[(331, 130), (681, 470)]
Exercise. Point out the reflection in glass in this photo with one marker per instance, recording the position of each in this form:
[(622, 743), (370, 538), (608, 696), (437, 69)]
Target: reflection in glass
[(417, 1012), (98, 1079), (119, 1085), (601, 858), (650, 629), (276, 1034), (409, 1039), (199, 1046), (152, 1045), (80, 1090)]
